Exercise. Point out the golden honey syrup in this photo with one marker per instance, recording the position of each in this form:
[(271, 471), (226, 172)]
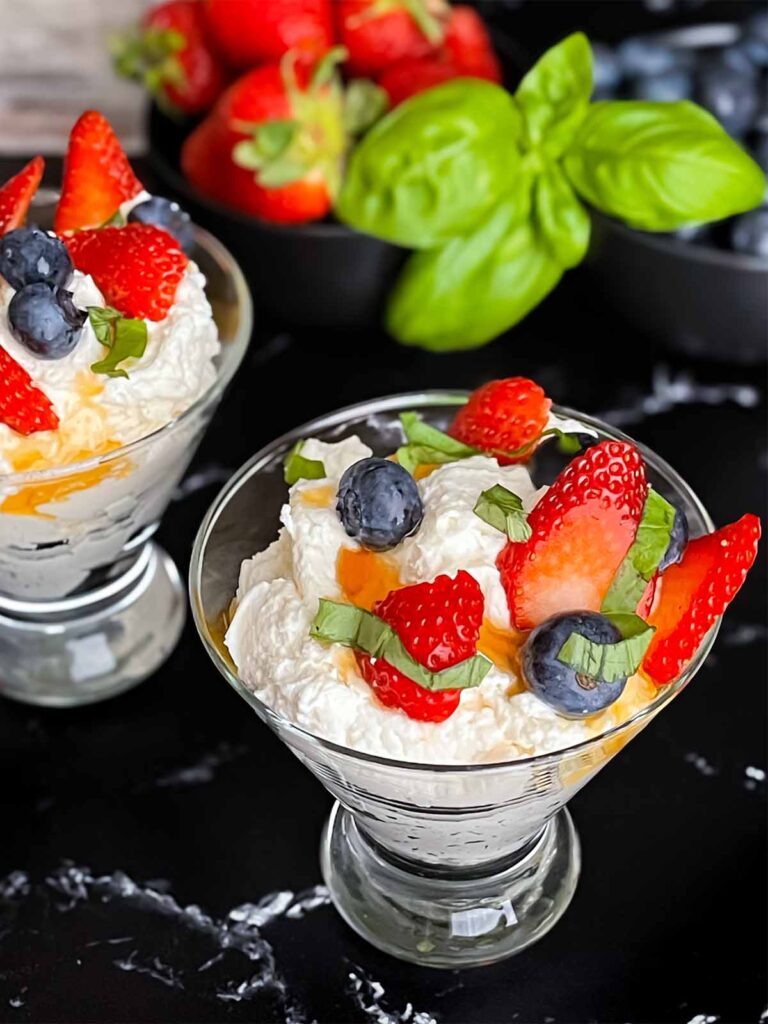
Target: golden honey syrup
[(365, 577), (318, 497), (502, 646)]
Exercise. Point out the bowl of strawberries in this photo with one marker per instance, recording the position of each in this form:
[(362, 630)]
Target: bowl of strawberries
[(257, 105)]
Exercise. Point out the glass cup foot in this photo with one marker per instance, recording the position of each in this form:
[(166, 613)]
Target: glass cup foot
[(450, 919), (91, 646)]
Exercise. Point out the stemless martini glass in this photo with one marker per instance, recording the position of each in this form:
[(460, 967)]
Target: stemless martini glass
[(442, 865), (89, 604)]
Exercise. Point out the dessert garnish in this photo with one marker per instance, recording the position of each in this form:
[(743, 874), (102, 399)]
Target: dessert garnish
[(297, 467), (426, 630), (379, 503), (503, 509), (124, 338), (23, 406), (45, 320), (17, 193)]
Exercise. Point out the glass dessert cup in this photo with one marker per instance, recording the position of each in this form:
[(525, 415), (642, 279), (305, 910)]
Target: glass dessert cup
[(441, 865), (90, 605)]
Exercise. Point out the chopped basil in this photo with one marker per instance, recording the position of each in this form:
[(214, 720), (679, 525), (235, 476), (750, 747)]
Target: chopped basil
[(296, 467), (504, 510), (345, 624), (125, 339), (607, 662)]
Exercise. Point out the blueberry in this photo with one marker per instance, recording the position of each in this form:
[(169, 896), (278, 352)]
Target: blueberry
[(566, 691), (693, 233), (664, 88), (760, 151), (756, 38), (379, 503), (165, 213), (29, 255), (643, 57), (750, 233), (738, 59), (678, 540), (45, 320), (606, 70), (730, 96)]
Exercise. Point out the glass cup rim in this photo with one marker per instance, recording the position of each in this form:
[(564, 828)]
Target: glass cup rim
[(239, 343), (403, 401)]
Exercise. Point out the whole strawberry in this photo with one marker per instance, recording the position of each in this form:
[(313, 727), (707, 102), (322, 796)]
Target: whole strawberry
[(378, 33), (97, 176), (503, 416), (23, 406), (249, 32), (279, 136), (137, 268), (17, 193), (581, 530), (171, 55), (439, 624), (695, 592), (467, 52)]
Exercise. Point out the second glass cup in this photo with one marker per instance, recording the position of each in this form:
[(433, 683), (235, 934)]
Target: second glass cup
[(442, 865)]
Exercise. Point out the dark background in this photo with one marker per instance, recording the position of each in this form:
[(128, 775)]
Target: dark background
[(178, 785)]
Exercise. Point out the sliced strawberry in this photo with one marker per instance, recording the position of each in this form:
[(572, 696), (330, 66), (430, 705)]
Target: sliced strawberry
[(439, 624), (97, 176), (503, 416), (581, 530), (17, 193), (695, 592), (137, 268), (23, 406)]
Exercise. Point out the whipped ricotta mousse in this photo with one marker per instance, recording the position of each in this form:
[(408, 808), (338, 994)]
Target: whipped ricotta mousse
[(436, 606)]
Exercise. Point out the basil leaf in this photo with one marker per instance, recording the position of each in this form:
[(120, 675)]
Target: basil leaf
[(554, 95), (475, 287), (296, 467), (354, 627), (627, 623), (659, 166), (606, 662), (125, 339), (433, 166), (504, 510), (419, 432), (643, 558), (563, 223)]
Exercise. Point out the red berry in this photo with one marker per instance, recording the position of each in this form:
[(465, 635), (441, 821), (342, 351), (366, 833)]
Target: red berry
[(468, 46), (97, 176), (439, 624), (249, 32), (137, 268), (17, 193), (503, 415), (695, 592), (377, 33), (23, 406), (581, 530)]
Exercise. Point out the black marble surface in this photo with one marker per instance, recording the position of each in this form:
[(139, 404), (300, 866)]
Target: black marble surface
[(158, 853)]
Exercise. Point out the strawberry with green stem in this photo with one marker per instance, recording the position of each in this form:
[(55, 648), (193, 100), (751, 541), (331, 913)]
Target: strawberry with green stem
[(377, 33), (250, 32)]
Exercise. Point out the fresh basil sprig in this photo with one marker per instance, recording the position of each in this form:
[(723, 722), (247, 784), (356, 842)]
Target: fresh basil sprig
[(125, 339), (503, 509), (607, 662), (355, 627), (490, 188), (297, 467)]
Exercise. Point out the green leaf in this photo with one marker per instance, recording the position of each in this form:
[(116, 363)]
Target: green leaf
[(325, 69), (354, 627), (427, 445), (475, 287), (643, 558), (117, 220), (554, 95), (504, 510), (434, 166), (282, 172), (627, 623), (364, 103), (659, 166), (563, 223), (296, 467), (124, 338), (606, 662), (274, 137)]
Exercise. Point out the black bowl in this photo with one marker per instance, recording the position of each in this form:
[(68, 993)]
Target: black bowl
[(691, 296)]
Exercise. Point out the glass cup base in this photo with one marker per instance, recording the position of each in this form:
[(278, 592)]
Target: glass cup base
[(450, 919), (92, 646)]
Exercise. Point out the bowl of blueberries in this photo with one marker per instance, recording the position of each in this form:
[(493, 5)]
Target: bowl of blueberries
[(684, 288)]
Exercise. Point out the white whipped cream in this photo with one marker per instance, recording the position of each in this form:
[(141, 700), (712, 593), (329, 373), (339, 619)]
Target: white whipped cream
[(95, 410), (319, 688)]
